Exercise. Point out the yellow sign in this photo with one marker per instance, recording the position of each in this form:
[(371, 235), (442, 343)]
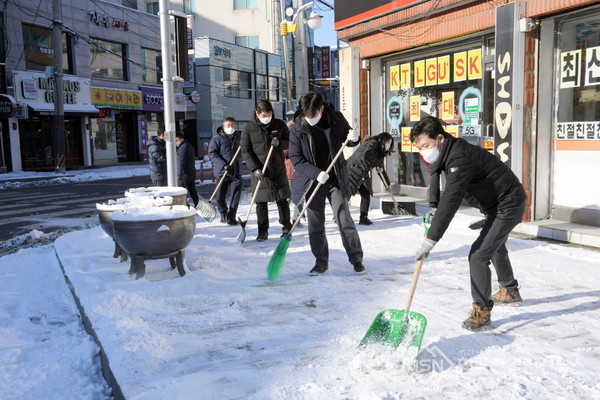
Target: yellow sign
[(448, 105), (395, 77), (117, 98), (431, 71), (420, 73), (443, 70), (415, 108), (406, 144), (452, 130), (405, 76), (475, 64), (460, 66)]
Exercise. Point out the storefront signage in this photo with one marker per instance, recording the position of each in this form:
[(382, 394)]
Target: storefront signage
[(195, 96), (107, 21), (143, 133), (469, 106), (355, 11), (581, 130), (415, 108), (571, 71), (152, 99), (8, 106), (448, 105), (466, 65), (37, 91), (503, 85), (394, 115), (219, 51), (117, 98)]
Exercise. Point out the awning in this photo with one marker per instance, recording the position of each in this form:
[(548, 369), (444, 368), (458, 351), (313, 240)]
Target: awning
[(48, 108)]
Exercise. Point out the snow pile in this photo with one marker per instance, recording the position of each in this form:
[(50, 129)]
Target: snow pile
[(224, 331)]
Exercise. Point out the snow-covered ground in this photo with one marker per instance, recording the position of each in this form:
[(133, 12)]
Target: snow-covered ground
[(223, 331)]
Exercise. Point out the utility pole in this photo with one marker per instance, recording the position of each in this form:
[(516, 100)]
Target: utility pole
[(168, 89), (59, 109), (283, 30)]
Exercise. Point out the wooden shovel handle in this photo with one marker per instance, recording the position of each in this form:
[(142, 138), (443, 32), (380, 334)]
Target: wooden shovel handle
[(413, 285), (224, 175)]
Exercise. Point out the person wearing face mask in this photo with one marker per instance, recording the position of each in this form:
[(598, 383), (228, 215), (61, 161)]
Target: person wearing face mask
[(259, 134), (316, 137), (221, 150), (186, 166), (475, 175), (371, 154)]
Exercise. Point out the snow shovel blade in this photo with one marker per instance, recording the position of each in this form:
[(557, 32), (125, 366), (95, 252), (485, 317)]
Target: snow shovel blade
[(205, 209), (396, 328), (278, 257), (242, 235)]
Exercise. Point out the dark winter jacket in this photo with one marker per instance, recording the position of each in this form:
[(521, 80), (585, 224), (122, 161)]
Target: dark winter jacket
[(475, 175), (186, 159), (221, 150), (255, 143), (367, 156), (157, 159), (302, 152)]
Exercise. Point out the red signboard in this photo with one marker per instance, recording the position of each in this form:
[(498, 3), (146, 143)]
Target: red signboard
[(352, 12)]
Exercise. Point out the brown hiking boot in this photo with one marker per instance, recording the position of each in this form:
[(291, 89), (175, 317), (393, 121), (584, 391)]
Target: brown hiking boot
[(478, 319), (509, 297)]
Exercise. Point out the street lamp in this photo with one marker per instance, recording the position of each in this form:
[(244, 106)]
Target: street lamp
[(314, 22)]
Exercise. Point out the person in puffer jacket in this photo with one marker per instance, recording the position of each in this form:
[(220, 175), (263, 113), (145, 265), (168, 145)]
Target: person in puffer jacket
[(485, 182), (157, 159)]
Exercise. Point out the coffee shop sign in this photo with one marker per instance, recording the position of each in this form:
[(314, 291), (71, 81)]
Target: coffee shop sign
[(221, 51)]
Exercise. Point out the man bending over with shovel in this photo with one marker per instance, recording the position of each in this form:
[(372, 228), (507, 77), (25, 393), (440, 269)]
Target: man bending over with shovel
[(318, 134), (473, 174)]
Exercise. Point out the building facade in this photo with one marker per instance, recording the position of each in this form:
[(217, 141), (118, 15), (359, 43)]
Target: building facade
[(112, 90), (519, 78)]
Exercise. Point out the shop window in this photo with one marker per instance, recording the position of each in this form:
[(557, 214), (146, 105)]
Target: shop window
[(237, 84), (252, 42), (38, 49), (446, 85), (152, 62), (244, 4), (108, 59)]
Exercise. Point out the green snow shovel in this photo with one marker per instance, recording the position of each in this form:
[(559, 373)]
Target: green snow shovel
[(241, 238), (398, 328), (278, 257)]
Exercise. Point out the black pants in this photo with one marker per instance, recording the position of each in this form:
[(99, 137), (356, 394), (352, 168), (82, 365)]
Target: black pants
[(235, 183), (490, 246), (365, 200), (345, 223), (162, 182), (262, 216), (188, 181)]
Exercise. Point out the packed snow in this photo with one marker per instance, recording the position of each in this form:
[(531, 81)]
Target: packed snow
[(223, 331)]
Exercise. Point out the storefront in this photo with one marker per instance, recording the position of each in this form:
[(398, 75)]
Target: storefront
[(36, 122), (570, 109), (447, 81), (116, 136)]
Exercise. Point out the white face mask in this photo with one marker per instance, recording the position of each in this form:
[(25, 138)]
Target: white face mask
[(314, 120), (387, 146), (431, 154), (229, 130), (265, 120)]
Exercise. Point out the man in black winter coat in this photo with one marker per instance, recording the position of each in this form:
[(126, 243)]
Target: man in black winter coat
[(479, 177), (221, 150), (186, 166), (259, 134), (157, 159), (317, 136)]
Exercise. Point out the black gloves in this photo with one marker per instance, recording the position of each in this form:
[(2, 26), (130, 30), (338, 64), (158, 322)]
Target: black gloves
[(227, 168)]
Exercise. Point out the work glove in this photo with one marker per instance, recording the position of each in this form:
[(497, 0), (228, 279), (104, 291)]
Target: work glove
[(227, 168), (258, 174), (323, 177), (379, 170), (424, 249), (275, 142), (354, 135), (427, 219)]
